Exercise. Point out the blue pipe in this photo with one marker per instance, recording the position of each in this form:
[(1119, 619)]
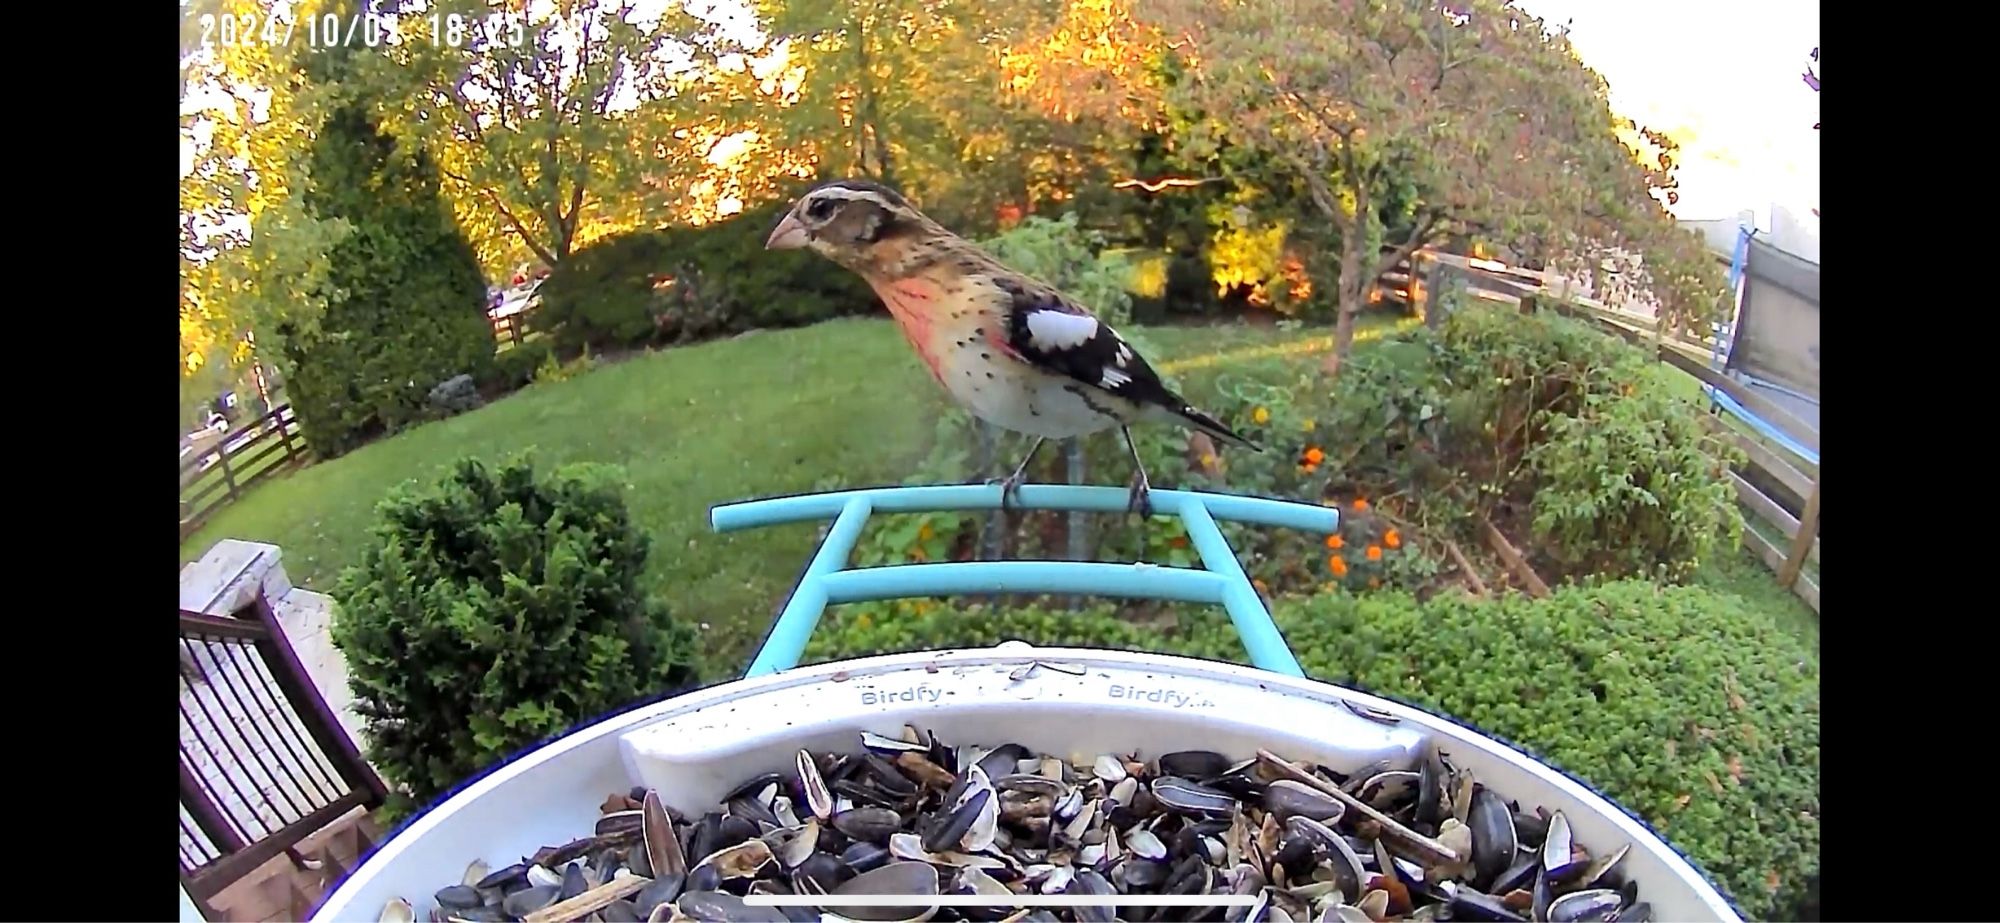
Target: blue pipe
[(801, 613), (1267, 648), (750, 514), (828, 581)]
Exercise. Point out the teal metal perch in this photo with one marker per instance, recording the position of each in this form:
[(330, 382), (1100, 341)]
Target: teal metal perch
[(827, 579)]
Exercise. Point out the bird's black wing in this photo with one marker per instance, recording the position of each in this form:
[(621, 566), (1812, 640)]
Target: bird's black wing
[(1049, 331)]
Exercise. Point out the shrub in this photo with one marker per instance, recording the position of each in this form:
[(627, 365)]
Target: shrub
[(753, 287), (496, 608), (1684, 705), (405, 300), (1620, 475), (1060, 253), (688, 283), (516, 367), (603, 296), (1569, 439)]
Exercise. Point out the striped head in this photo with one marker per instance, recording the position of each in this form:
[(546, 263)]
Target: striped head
[(858, 224)]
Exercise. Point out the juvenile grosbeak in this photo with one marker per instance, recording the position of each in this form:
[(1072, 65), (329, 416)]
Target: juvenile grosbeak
[(1010, 349)]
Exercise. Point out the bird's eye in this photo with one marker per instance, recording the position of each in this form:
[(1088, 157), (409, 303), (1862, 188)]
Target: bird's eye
[(820, 209)]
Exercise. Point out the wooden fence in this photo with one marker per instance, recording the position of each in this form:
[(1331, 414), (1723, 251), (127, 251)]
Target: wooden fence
[(509, 331), (264, 762), (215, 476)]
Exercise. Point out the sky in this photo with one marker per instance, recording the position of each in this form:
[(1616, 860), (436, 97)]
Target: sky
[(1722, 77)]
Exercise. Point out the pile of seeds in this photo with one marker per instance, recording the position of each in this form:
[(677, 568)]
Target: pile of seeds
[(912, 815)]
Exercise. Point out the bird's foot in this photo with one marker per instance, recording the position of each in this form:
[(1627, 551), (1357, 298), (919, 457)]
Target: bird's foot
[(1010, 489), (1140, 500)]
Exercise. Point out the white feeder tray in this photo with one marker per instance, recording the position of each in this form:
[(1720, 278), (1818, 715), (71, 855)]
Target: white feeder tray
[(696, 747)]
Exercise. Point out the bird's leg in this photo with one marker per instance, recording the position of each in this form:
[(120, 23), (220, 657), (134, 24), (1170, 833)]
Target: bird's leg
[(1140, 501), (1010, 486)]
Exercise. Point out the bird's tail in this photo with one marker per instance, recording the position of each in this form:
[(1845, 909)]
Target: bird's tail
[(1213, 427)]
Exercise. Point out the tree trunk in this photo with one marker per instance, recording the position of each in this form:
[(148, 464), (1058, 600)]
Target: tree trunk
[(1351, 288)]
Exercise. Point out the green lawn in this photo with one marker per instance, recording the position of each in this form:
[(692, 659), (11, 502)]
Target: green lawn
[(842, 403)]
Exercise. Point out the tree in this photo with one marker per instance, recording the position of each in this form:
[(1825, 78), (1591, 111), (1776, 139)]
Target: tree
[(247, 114), (1401, 121), (547, 126), (401, 304), (927, 95)]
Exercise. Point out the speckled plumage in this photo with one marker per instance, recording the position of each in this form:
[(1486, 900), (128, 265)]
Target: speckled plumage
[(1012, 350)]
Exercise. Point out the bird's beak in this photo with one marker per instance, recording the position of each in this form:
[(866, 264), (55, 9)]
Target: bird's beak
[(788, 235)]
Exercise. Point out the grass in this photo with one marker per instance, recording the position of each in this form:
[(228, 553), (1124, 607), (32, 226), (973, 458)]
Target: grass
[(840, 404)]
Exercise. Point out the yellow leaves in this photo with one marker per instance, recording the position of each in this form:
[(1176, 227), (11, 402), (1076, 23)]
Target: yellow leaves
[(1348, 202)]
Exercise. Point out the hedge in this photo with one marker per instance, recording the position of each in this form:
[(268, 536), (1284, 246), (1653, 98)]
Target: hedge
[(724, 282)]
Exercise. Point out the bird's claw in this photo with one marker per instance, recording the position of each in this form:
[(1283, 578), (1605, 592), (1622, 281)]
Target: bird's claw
[(1140, 500), (1010, 488)]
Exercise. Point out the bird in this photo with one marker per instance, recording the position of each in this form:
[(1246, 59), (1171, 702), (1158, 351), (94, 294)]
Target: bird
[(1011, 349)]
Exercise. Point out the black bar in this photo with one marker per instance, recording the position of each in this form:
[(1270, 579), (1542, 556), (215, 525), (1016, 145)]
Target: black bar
[(251, 717), (200, 807), (214, 626), (223, 765), (311, 760), (228, 869), (319, 720)]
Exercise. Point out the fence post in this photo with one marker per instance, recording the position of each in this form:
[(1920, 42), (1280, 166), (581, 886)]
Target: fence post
[(1803, 541), (285, 432), (222, 458)]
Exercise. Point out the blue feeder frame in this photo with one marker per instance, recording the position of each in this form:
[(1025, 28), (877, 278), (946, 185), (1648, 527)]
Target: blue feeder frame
[(1725, 343), (827, 579)]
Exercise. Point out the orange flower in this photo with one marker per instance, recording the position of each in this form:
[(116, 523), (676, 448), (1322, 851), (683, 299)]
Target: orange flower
[(1338, 565), (1334, 541), (1392, 538), (1314, 456), (1374, 552), (1361, 504), (1178, 541)]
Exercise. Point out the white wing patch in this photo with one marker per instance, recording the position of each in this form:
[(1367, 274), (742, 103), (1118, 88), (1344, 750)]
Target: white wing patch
[(1114, 378), (1052, 330)]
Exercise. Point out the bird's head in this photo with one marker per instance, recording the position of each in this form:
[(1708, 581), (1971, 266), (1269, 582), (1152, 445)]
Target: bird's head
[(854, 223)]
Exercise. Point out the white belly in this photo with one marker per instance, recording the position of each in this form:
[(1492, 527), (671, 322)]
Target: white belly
[(1008, 394)]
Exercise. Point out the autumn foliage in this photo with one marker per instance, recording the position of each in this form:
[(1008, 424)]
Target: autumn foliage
[(1399, 122), (1277, 154)]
